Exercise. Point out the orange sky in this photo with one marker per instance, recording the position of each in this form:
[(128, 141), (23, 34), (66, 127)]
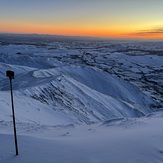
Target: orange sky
[(76, 31), (112, 18)]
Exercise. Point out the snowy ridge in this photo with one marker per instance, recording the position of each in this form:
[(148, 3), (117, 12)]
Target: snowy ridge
[(83, 94)]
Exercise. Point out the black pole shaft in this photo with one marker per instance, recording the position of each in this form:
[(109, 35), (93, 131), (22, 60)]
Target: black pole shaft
[(13, 113)]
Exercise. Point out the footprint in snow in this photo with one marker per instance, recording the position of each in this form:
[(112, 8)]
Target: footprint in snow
[(160, 151), (66, 134)]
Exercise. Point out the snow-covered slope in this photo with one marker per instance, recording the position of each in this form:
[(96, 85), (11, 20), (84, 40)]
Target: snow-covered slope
[(83, 94), (64, 78), (81, 101), (129, 140)]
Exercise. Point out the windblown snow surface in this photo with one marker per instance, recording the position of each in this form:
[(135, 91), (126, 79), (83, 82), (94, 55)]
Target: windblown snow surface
[(81, 101)]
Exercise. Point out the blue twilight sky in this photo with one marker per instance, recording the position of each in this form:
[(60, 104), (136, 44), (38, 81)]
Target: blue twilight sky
[(82, 17)]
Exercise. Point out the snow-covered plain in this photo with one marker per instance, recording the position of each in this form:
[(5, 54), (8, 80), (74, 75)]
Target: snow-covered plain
[(81, 100)]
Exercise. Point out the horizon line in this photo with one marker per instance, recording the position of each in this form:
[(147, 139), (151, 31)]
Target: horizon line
[(81, 36)]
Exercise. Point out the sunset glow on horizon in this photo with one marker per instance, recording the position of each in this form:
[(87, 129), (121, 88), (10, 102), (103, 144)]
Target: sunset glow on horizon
[(105, 18)]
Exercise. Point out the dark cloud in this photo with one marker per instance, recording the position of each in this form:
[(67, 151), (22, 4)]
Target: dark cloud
[(158, 30)]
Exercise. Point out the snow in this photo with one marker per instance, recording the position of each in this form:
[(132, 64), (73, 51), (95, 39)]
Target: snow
[(130, 140), (83, 94), (30, 111), (81, 101)]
